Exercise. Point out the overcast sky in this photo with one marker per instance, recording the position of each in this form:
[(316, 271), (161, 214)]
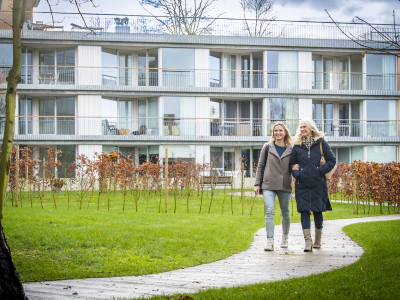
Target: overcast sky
[(373, 11)]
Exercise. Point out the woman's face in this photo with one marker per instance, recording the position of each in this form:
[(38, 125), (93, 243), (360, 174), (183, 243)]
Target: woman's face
[(305, 130), (279, 133)]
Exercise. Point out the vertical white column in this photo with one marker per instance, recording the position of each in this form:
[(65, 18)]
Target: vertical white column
[(364, 117), (160, 115), (365, 153), (336, 117), (135, 72), (364, 71), (160, 67), (203, 154), (305, 108), (88, 56), (202, 112), (89, 106), (305, 67), (35, 69), (238, 71), (202, 66), (35, 112), (265, 74), (265, 115)]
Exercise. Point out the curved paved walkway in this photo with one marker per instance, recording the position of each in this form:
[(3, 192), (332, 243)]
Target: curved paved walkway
[(251, 266)]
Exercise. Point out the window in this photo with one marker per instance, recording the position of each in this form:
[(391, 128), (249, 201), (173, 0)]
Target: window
[(109, 63), (116, 116), (317, 71), (287, 110), (381, 116), (381, 72), (57, 66), (215, 67), (25, 109), (382, 154), (148, 113), (177, 58), (26, 68), (148, 68), (282, 69), (68, 156), (185, 153), (63, 109), (178, 112)]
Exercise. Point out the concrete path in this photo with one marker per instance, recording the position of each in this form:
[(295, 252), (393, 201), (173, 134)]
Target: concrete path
[(251, 266)]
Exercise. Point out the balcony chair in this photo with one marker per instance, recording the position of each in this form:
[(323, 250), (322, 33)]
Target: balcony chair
[(108, 128), (166, 130), (176, 130)]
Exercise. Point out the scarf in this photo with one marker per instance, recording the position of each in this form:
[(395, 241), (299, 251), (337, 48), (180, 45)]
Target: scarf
[(308, 142)]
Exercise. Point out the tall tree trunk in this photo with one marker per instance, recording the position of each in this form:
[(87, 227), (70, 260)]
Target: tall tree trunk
[(10, 283)]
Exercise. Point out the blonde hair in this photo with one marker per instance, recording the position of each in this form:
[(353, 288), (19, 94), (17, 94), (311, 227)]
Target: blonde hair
[(311, 124), (288, 138)]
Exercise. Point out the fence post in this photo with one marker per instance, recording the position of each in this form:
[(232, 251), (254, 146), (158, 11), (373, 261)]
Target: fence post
[(211, 176), (242, 181), (355, 186), (166, 180), (44, 173), (16, 174)]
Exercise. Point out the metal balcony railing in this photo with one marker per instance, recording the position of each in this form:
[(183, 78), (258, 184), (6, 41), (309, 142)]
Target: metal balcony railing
[(186, 78), (186, 127), (215, 26)]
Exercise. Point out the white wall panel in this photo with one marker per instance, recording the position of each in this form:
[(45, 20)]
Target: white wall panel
[(89, 150), (265, 75), (305, 108), (89, 106), (89, 56), (305, 65), (203, 152), (202, 65), (265, 115), (202, 111)]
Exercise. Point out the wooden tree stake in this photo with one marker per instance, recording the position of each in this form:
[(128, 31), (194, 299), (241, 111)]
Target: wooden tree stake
[(166, 180), (16, 174), (242, 181), (355, 186)]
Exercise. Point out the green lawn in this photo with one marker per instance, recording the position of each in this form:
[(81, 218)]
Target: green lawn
[(375, 276), (66, 243)]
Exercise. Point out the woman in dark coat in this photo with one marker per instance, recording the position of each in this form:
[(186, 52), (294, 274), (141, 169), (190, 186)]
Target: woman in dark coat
[(311, 187)]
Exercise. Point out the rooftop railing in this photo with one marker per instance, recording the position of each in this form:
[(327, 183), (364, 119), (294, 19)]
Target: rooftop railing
[(101, 23), (189, 127), (269, 79)]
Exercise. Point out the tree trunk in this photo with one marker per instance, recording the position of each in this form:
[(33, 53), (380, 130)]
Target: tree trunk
[(10, 283)]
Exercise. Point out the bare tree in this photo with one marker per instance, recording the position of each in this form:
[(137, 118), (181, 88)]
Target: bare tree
[(383, 40), (10, 283), (258, 16), (183, 18)]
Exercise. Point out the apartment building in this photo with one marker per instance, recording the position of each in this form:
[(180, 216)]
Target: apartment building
[(206, 98)]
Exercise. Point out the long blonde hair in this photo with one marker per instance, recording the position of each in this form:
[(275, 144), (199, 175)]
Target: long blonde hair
[(311, 124), (288, 138)]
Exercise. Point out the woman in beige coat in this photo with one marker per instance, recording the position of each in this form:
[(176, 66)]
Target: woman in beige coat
[(274, 179)]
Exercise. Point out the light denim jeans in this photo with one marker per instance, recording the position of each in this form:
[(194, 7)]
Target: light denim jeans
[(269, 201)]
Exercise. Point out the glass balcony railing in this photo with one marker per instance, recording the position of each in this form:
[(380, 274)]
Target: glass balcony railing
[(184, 127), (238, 79)]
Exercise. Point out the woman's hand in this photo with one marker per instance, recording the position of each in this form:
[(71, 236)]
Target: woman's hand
[(296, 167), (257, 190)]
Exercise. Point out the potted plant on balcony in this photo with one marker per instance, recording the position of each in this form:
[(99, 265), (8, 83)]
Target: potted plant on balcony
[(121, 25), (57, 185)]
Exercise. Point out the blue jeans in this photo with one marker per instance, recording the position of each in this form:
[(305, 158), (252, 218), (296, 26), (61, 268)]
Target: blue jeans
[(305, 220), (269, 201)]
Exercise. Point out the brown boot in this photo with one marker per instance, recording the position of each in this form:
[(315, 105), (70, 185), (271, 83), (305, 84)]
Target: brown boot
[(308, 240), (317, 240)]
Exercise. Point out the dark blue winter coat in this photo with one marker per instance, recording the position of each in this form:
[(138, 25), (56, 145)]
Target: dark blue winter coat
[(311, 188)]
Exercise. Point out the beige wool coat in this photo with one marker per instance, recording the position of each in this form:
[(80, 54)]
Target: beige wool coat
[(277, 176)]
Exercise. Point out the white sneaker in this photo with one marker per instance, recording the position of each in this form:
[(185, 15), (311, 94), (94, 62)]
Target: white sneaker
[(285, 241), (270, 245)]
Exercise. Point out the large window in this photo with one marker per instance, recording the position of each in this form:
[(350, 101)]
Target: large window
[(68, 156), (185, 153), (381, 116), (287, 110), (282, 69), (116, 116), (57, 66), (25, 109), (26, 68), (109, 63), (179, 114), (381, 72), (382, 154), (148, 68), (148, 113), (64, 111), (174, 59)]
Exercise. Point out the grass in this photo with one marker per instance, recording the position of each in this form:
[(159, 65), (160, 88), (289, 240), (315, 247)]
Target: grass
[(66, 243), (375, 276)]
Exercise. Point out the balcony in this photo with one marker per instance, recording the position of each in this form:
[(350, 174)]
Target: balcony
[(232, 79), (171, 128)]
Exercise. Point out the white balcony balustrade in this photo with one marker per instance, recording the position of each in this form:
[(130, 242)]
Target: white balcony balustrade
[(183, 127)]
